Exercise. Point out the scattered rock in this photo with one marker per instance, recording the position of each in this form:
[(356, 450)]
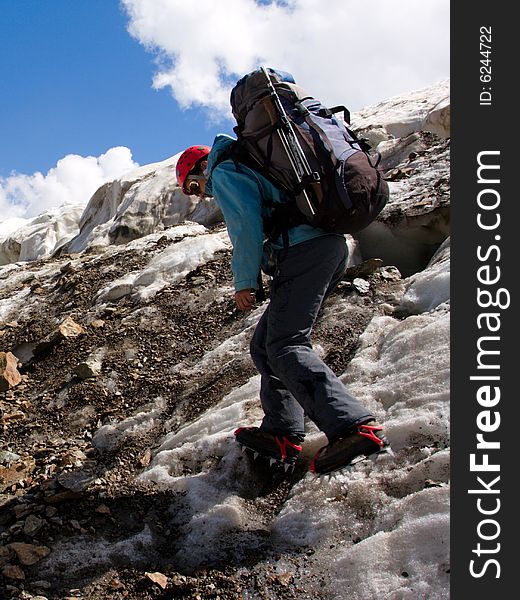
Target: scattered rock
[(15, 474), (32, 525), (361, 285), (12, 416), (7, 458), (429, 483), (390, 273), (42, 585), (158, 578), (51, 511), (115, 584), (29, 554), (103, 509), (399, 173), (364, 269), (87, 370), (20, 511), (67, 329), (76, 481), (283, 578), (67, 268), (91, 367), (9, 375), (13, 572), (144, 461), (5, 555), (74, 457)]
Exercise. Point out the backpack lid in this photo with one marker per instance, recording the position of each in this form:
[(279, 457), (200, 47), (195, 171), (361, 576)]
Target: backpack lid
[(251, 88)]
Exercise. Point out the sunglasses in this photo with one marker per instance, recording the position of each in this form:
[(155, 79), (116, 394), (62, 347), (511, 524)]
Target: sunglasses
[(192, 185)]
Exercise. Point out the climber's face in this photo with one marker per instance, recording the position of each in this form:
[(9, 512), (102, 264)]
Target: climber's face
[(196, 184)]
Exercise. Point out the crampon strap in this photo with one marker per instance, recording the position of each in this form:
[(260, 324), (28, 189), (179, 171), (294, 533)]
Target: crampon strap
[(368, 431), (283, 442)]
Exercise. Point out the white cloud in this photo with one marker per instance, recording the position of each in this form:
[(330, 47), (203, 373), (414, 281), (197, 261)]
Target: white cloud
[(72, 181), (344, 51)]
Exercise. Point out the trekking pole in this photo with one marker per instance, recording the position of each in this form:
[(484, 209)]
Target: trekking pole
[(292, 147)]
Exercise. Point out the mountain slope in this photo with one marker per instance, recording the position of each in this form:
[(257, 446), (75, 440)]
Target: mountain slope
[(117, 455)]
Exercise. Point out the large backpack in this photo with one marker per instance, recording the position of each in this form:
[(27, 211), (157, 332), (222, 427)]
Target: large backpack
[(343, 193)]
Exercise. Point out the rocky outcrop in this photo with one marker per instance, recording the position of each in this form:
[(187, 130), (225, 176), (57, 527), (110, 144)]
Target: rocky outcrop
[(145, 201), (409, 131), (411, 134), (427, 109), (41, 236), (416, 219)]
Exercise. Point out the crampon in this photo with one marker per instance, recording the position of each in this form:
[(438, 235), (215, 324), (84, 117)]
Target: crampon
[(279, 450), (362, 443)]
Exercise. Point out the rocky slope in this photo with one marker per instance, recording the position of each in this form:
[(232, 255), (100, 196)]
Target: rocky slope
[(126, 369)]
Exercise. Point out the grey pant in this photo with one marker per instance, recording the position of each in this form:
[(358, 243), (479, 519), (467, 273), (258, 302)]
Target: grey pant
[(294, 381)]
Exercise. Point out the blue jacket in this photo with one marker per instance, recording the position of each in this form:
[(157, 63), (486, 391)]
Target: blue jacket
[(239, 193)]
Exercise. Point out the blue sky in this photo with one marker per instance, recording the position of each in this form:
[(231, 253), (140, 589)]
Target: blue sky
[(93, 88), (74, 81)]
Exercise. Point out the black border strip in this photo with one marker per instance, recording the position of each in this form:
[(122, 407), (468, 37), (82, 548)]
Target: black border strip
[(484, 128)]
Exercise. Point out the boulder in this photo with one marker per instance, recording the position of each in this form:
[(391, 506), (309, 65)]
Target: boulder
[(9, 375), (29, 554)]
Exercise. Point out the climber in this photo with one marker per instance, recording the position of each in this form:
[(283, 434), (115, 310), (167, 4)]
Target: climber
[(295, 382)]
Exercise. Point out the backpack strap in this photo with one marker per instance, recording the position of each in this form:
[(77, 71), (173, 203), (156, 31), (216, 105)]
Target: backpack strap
[(227, 154), (284, 216), (337, 109), (260, 292), (356, 143)]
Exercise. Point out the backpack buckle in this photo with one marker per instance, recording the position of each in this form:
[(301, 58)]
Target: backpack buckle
[(303, 110)]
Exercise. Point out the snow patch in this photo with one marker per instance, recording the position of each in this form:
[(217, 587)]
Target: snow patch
[(402, 369), (145, 419), (84, 553), (430, 288), (166, 268), (421, 522), (202, 461)]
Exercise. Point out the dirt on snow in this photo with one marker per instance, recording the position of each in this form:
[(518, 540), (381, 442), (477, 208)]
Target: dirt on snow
[(55, 486)]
